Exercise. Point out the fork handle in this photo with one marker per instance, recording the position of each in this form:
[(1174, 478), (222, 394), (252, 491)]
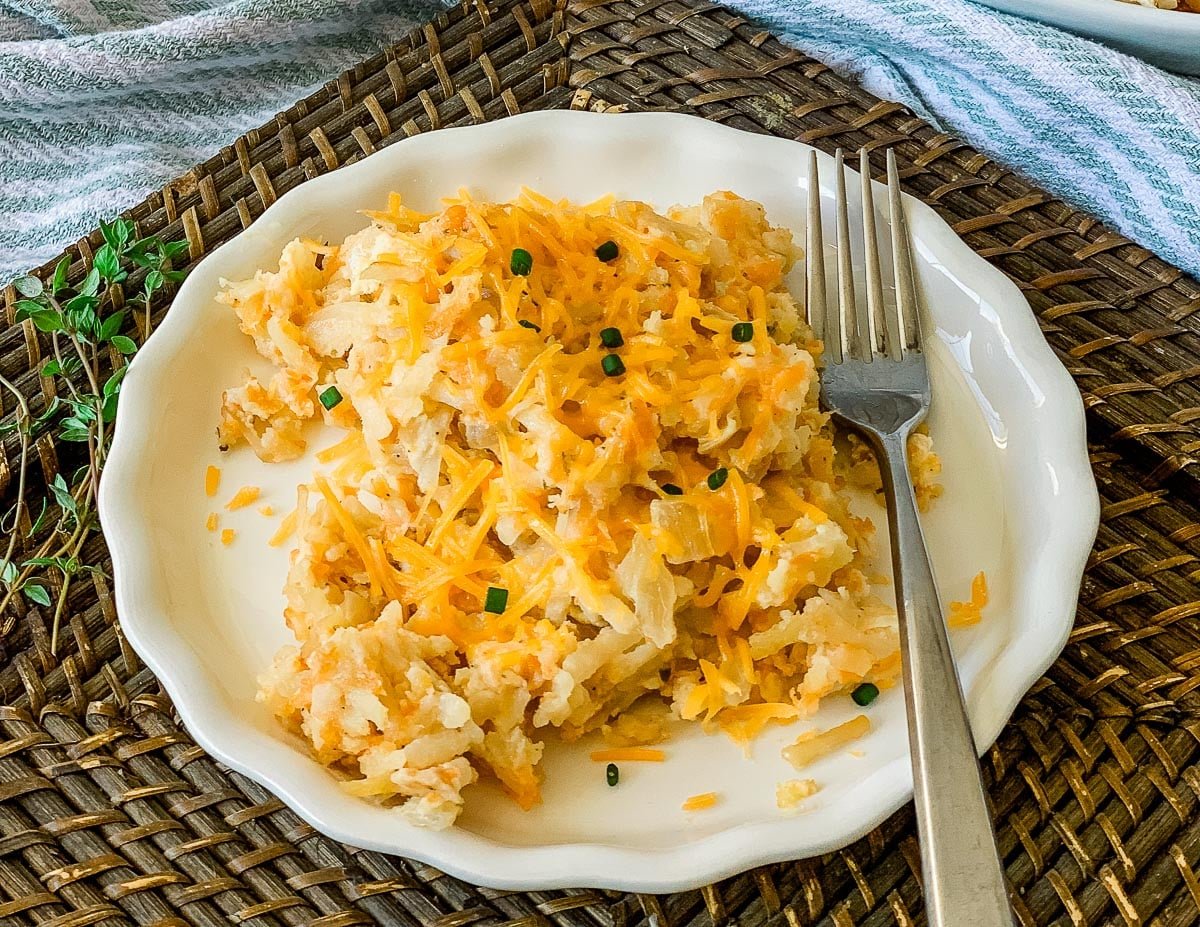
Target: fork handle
[(963, 879)]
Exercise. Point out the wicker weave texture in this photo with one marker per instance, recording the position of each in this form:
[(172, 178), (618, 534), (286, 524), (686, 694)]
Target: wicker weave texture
[(109, 813)]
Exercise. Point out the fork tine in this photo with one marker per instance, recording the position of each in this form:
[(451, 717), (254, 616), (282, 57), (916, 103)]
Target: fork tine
[(815, 296), (908, 314), (875, 322), (847, 317)]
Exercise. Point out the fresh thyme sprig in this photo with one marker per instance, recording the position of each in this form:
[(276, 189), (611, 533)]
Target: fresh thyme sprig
[(43, 554)]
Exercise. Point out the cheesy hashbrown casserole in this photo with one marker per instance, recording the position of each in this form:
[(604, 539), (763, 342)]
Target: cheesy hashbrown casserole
[(583, 463)]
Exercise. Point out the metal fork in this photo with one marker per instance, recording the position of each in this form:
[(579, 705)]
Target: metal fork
[(875, 381)]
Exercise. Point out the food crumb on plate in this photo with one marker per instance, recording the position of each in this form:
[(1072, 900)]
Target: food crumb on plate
[(791, 792), (642, 725)]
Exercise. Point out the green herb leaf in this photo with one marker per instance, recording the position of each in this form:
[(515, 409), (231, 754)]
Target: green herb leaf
[(173, 249), (62, 494), (138, 251), (111, 325), (108, 412), (154, 280), (74, 430), (28, 285), (91, 283), (113, 384), (81, 303), (36, 592), (717, 478), (51, 368), (106, 262), (60, 275), (81, 314), (27, 306), (82, 409), (45, 562), (124, 344), (46, 320), (41, 519), (175, 276), (117, 233)]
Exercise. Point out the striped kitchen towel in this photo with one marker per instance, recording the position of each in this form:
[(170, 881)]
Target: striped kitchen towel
[(102, 101)]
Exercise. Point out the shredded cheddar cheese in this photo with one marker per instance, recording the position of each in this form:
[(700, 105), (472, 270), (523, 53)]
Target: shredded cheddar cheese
[(286, 528), (528, 525), (812, 745), (266, 510), (242, 498), (701, 802), (965, 614), (227, 536), (212, 480), (628, 755), (211, 522)]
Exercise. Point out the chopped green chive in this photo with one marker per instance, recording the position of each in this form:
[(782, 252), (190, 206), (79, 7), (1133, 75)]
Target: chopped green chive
[(612, 774), (521, 262), (611, 337), (525, 323), (717, 478), (671, 489), (330, 397), (865, 694), (496, 600), (742, 332), (607, 251), (612, 365)]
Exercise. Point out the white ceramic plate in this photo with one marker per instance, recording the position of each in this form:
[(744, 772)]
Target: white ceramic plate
[(1164, 37), (1020, 503)]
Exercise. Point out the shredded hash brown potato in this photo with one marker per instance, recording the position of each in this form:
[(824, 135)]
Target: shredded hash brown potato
[(674, 528)]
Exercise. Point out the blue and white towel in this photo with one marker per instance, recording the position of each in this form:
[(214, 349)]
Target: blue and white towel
[(102, 101)]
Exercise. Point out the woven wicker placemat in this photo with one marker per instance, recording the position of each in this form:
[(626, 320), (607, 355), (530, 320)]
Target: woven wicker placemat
[(109, 813)]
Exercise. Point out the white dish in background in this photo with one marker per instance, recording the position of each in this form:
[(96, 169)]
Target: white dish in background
[(1020, 503), (1167, 38)]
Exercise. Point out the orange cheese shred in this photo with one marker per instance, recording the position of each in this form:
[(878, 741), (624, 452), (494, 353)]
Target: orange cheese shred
[(965, 614), (701, 801), (628, 755), (212, 480), (242, 498), (285, 529)]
